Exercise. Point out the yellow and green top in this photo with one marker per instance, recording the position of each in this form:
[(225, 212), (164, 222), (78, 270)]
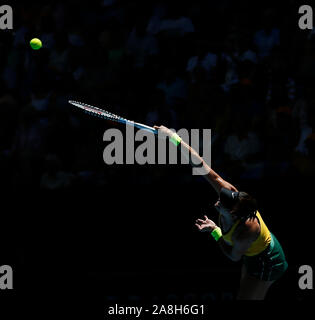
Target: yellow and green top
[(259, 245)]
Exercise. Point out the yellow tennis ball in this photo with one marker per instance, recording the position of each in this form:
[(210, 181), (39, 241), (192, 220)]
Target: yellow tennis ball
[(36, 44)]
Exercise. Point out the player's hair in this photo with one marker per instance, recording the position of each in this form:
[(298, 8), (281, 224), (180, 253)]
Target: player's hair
[(245, 207)]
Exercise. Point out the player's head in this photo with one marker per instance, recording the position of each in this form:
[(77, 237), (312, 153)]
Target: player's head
[(239, 204)]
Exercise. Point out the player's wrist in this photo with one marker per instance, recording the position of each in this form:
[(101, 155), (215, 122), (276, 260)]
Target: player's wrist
[(165, 133), (216, 233), (175, 139)]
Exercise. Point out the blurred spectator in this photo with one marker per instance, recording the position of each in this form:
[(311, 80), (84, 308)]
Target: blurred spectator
[(244, 149), (267, 38), (59, 55), (304, 163), (203, 58), (174, 87), (229, 58), (174, 22), (159, 113), (141, 45), (307, 128), (47, 27)]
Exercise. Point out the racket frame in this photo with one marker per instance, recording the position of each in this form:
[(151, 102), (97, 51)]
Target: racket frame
[(97, 112)]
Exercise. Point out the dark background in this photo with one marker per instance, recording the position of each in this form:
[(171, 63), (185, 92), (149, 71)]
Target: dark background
[(73, 226)]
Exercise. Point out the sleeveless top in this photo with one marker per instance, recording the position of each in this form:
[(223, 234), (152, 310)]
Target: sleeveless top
[(259, 245)]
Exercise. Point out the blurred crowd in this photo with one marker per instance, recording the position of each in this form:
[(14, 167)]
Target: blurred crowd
[(245, 72)]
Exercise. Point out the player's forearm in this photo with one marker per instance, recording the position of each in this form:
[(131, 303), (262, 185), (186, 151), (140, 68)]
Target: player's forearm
[(210, 175), (193, 155), (225, 248), (194, 158)]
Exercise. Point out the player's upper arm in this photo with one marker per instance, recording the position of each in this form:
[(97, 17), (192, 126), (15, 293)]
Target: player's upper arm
[(224, 184), (216, 181)]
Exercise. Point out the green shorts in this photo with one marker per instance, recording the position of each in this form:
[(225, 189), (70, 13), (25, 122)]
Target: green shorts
[(268, 265)]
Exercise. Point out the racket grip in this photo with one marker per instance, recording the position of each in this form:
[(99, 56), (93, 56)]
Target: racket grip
[(145, 128)]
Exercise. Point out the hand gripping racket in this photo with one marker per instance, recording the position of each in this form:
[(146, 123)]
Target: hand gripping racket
[(97, 112)]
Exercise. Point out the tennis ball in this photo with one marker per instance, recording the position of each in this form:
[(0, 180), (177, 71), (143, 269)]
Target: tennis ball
[(35, 44)]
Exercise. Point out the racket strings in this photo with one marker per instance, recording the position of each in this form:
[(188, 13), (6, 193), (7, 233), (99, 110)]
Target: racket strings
[(97, 111)]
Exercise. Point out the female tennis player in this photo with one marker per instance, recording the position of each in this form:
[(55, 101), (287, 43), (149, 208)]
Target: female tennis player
[(241, 232)]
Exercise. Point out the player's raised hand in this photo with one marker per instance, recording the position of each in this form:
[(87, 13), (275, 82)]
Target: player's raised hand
[(205, 225), (164, 131)]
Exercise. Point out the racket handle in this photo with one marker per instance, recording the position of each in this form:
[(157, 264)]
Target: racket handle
[(145, 128)]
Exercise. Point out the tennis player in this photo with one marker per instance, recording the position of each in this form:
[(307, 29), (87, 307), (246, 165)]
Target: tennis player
[(241, 232)]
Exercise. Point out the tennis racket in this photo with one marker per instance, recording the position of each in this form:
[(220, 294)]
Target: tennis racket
[(97, 112)]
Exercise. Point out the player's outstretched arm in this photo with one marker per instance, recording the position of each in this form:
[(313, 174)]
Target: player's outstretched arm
[(211, 176)]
